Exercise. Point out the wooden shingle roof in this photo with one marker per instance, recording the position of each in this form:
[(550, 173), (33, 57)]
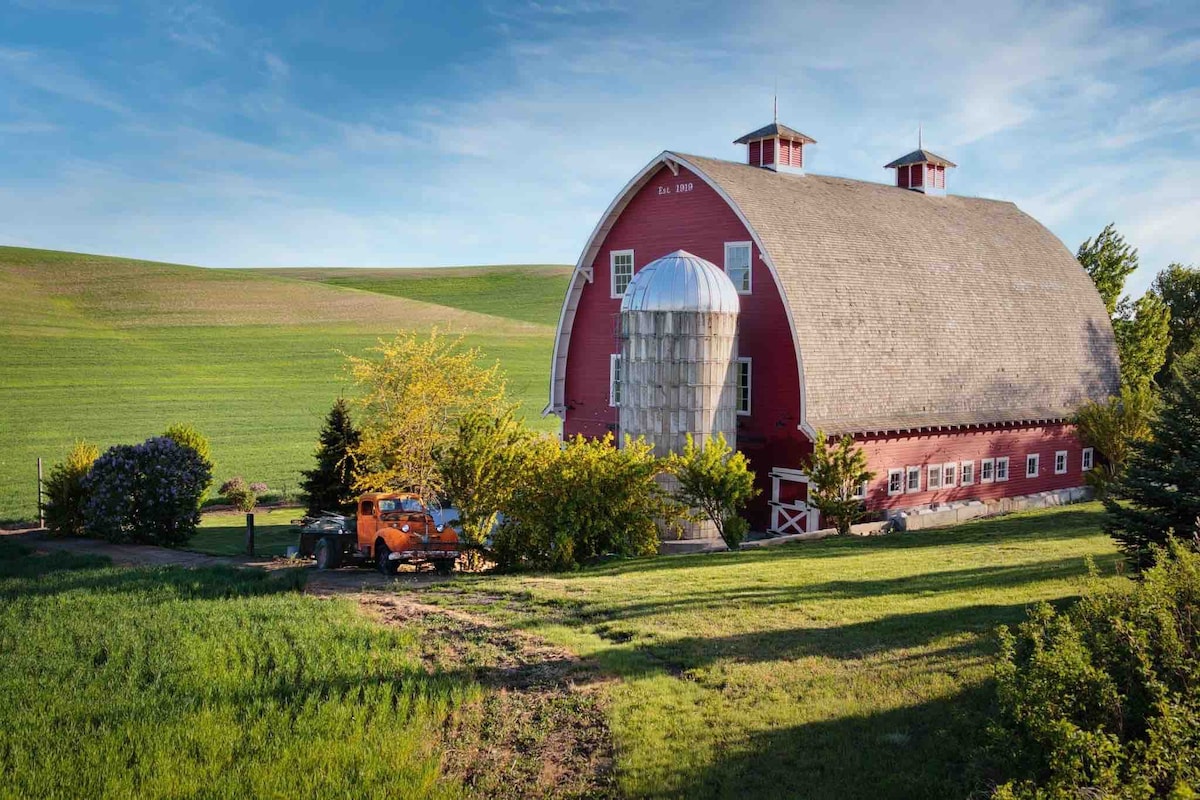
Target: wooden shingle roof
[(913, 311), (776, 129), (920, 157)]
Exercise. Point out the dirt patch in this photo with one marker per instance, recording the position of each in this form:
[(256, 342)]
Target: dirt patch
[(539, 729)]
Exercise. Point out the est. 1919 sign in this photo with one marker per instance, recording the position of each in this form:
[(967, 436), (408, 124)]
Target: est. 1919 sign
[(678, 188)]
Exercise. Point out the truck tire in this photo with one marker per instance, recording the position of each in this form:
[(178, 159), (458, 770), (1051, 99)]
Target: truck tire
[(386, 565), (444, 566), (327, 554)]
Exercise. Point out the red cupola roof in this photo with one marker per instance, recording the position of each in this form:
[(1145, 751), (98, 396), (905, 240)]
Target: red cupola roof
[(776, 147)]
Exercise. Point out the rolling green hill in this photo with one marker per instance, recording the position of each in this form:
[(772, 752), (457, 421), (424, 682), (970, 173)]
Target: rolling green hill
[(113, 350)]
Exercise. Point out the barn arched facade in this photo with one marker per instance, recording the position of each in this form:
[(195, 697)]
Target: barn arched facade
[(939, 331)]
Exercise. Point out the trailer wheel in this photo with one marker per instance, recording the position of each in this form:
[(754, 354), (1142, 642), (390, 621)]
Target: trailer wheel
[(444, 566), (386, 565), (327, 554)]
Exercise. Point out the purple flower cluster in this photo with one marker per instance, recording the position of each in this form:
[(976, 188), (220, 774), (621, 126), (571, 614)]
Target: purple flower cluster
[(147, 493)]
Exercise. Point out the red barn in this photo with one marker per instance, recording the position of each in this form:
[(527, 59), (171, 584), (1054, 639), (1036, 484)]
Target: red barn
[(953, 337)]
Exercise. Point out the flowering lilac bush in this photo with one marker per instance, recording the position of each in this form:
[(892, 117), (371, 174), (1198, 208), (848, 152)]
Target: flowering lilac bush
[(146, 493)]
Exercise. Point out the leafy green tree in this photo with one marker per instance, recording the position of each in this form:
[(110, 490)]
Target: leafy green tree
[(481, 468), (1162, 480), (186, 435), (1113, 427), (716, 480), (835, 474), (1099, 700), (65, 493), (1109, 261), (1143, 336), (330, 485), (414, 390), (1179, 288)]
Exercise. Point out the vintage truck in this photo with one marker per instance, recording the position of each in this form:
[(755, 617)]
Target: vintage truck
[(389, 529)]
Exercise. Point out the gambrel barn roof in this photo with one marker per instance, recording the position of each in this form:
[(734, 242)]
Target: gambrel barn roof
[(911, 311)]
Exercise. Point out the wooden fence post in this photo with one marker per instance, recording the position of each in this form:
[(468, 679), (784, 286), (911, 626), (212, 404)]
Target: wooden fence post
[(41, 507), (250, 533)]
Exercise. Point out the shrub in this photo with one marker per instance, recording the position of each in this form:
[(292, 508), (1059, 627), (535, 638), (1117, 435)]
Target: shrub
[(147, 493), (716, 480), (481, 468), (1162, 479), (1103, 700), (583, 499), (330, 485), (240, 495), (835, 474), (65, 495), (185, 435)]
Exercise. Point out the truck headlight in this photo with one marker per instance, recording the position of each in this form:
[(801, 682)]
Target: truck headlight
[(441, 528), (404, 528)]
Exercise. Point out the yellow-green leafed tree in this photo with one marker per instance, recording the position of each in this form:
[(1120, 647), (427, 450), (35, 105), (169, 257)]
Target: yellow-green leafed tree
[(412, 392)]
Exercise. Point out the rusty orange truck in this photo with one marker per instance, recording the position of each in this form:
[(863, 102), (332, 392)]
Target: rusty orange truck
[(388, 529)]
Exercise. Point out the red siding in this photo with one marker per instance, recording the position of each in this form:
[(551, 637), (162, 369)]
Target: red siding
[(798, 155), (941, 177), (768, 151), (654, 224), (902, 177), (915, 174), (903, 451), (755, 154), (785, 151)]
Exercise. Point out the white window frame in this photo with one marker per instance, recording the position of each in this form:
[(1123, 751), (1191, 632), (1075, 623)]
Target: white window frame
[(612, 272), (950, 470), (908, 480), (749, 387), (1060, 456), (615, 380), (1036, 460), (1002, 461), (966, 473), (1089, 459), (898, 475), (933, 477), (987, 475), (861, 492), (749, 265)]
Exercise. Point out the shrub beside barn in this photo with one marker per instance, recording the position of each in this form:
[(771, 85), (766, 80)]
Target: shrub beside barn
[(952, 337)]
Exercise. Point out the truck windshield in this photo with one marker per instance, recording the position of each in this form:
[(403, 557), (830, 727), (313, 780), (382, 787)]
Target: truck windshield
[(403, 504)]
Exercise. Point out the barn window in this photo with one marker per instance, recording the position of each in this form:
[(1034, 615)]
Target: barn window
[(737, 265), (743, 386), (1060, 462), (934, 479), (861, 492), (987, 470), (895, 481), (949, 474), (1002, 468), (1089, 458), (914, 479), (1031, 465), (621, 262), (615, 379), (968, 473)]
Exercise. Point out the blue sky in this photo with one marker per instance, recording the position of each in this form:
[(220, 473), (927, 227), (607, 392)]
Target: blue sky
[(370, 134)]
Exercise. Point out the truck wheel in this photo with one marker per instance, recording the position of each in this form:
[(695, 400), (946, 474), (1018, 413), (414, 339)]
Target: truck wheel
[(444, 566), (327, 554), (386, 565)]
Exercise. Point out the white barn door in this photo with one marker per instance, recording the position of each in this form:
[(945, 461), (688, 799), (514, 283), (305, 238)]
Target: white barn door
[(790, 512)]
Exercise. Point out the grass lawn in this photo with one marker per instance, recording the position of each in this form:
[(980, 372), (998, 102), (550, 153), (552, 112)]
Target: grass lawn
[(844, 668), (113, 350), (213, 683), (224, 533)]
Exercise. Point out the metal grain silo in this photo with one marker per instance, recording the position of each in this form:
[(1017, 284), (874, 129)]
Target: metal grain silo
[(678, 355)]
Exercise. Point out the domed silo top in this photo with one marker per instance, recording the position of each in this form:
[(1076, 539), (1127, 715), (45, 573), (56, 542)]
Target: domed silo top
[(681, 282)]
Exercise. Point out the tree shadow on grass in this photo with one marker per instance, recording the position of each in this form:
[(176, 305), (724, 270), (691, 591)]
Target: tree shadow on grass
[(934, 749), (1053, 525), (24, 574)]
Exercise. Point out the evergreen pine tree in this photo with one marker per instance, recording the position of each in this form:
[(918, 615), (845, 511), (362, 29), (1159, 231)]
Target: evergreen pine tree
[(1162, 481), (330, 487)]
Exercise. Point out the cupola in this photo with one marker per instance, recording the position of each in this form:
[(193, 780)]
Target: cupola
[(776, 147), (921, 171)]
